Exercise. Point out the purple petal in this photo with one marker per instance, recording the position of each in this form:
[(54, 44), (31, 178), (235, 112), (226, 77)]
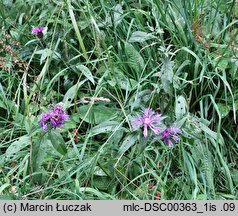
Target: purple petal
[(41, 29), (137, 121), (156, 118), (165, 133), (44, 127), (175, 130), (145, 131), (148, 112), (175, 138), (65, 116), (37, 29), (170, 143), (155, 129), (34, 30)]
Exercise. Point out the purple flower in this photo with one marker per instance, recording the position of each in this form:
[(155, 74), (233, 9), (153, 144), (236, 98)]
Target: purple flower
[(38, 31), (148, 119), (55, 117), (45, 117), (170, 134)]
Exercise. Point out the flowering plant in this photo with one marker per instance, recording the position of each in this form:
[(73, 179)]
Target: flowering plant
[(38, 31), (55, 117), (153, 121)]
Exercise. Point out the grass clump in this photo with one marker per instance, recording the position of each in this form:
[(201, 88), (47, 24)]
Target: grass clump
[(118, 100)]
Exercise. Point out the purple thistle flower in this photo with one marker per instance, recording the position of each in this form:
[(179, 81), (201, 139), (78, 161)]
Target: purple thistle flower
[(38, 31), (170, 134), (55, 117), (148, 119)]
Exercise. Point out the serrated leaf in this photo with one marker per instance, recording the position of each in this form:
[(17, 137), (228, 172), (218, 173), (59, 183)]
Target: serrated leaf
[(86, 72), (127, 143), (57, 141), (139, 36)]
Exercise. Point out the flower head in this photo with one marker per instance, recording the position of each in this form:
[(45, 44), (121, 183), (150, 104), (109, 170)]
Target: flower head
[(171, 134), (148, 119), (38, 31), (55, 117)]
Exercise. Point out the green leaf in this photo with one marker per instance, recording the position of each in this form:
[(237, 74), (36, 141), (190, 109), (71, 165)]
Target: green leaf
[(167, 75), (57, 141), (70, 95), (236, 105), (118, 12), (103, 183), (69, 125), (2, 97), (141, 98), (17, 146), (201, 197), (2, 105), (127, 143), (180, 107), (235, 176), (47, 53), (104, 127), (4, 186), (139, 36), (97, 113), (134, 58), (7, 197), (211, 133), (224, 109), (7, 3), (86, 72), (122, 80), (39, 151), (220, 61)]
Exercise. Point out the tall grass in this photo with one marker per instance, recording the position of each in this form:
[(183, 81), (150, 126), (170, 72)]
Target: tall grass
[(106, 61)]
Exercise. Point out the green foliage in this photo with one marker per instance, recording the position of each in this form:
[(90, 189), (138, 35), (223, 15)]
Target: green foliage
[(106, 62)]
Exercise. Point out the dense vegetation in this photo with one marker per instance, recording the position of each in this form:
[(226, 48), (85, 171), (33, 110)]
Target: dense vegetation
[(72, 96)]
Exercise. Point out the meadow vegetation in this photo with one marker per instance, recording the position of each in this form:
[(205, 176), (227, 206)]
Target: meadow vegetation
[(118, 99)]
